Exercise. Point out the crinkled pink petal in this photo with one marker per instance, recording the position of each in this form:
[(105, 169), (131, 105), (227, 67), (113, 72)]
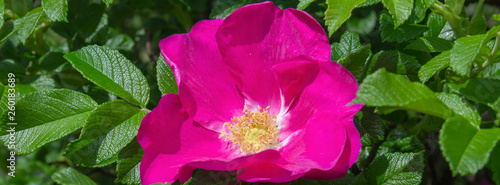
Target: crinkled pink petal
[(171, 140), (340, 168), (318, 146), (209, 93), (256, 37), (332, 90), (293, 76)]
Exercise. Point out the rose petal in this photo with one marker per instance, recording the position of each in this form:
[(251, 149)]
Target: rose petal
[(332, 90), (338, 171), (256, 37), (266, 172), (171, 140), (209, 93), (319, 146), (292, 77)]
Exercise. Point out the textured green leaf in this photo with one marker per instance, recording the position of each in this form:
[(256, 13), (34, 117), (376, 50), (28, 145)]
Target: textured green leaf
[(464, 52), (394, 168), (395, 62), (349, 42), (56, 10), (26, 25), (461, 107), (479, 90), (372, 125), (495, 163), (46, 116), (165, 77), (430, 44), (222, 8), (420, 8), (70, 176), (338, 12), (107, 130), (2, 11), (128, 165), (435, 22), (400, 34), (369, 3), (356, 60), (304, 4), (384, 89), (434, 65), (3, 99), (399, 9), (113, 72), (466, 147)]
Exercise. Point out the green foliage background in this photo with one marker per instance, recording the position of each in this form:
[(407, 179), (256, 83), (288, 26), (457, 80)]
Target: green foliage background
[(88, 71)]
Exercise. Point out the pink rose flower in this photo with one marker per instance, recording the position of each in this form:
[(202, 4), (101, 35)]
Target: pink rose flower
[(258, 94)]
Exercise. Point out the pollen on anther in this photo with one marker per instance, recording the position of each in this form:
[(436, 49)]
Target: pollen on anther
[(253, 132)]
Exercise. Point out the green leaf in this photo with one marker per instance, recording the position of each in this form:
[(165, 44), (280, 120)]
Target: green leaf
[(129, 163), (108, 2), (399, 9), (430, 44), (355, 62), (7, 31), (113, 72), (394, 168), (464, 52), (395, 62), (70, 176), (223, 8), (107, 130), (400, 34), (27, 24), (479, 90), (349, 42), (165, 77), (384, 89), (92, 24), (456, 6), (495, 163), (45, 116), (3, 107), (461, 107), (56, 10), (2, 11), (372, 125), (338, 12), (120, 42), (466, 147), (496, 17), (304, 4), (369, 3), (477, 25), (51, 61), (362, 25), (435, 22), (420, 8), (434, 65)]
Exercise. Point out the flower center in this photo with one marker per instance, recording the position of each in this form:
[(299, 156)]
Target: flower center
[(252, 132)]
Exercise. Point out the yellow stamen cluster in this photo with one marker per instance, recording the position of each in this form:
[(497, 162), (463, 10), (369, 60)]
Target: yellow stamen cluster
[(254, 131)]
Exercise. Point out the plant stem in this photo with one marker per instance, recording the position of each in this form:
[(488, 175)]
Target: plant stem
[(452, 18), (490, 58)]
